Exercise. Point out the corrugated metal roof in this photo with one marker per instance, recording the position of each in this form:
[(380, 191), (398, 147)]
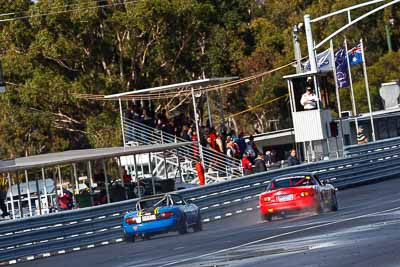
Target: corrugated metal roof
[(73, 156)]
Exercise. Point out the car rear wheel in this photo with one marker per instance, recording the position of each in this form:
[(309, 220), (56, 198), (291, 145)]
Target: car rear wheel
[(145, 236), (184, 227), (334, 204), (198, 226), (129, 238), (266, 217)]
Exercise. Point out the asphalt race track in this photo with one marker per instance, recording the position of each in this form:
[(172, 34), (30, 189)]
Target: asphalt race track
[(364, 232)]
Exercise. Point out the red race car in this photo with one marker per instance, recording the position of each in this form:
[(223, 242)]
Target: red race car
[(296, 192)]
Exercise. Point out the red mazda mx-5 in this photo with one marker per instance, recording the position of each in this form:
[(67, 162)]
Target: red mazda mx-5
[(300, 191)]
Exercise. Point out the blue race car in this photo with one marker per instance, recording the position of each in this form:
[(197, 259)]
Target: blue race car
[(161, 214)]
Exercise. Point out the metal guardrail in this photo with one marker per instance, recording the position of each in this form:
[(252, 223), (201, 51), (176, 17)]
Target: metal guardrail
[(379, 145), (66, 231)]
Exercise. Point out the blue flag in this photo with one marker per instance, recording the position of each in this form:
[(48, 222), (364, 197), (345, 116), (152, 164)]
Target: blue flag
[(324, 63), (342, 73), (355, 55)]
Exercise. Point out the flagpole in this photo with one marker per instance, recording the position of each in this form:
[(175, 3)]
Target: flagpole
[(367, 89), (353, 101), (337, 91)]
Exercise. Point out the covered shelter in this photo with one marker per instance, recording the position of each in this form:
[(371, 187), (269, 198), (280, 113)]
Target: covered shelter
[(185, 89), (70, 158)]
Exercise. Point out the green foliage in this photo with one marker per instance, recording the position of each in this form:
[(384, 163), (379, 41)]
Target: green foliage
[(46, 59)]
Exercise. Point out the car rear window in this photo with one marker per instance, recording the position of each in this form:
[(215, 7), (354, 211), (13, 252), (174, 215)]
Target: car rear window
[(291, 182), (152, 203)]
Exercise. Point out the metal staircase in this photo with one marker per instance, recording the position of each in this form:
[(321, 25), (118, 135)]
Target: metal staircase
[(181, 162)]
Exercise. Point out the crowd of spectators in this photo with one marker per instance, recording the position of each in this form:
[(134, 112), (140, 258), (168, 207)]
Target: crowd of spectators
[(219, 139)]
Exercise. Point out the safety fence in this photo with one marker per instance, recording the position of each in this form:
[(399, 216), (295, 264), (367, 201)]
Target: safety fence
[(54, 234), (218, 166)]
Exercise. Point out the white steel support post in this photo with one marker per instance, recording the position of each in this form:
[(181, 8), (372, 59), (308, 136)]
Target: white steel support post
[(310, 43), (90, 178), (28, 192), (367, 90), (60, 179), (21, 210), (137, 176), (106, 181), (196, 119), (122, 121), (121, 174), (45, 189), (11, 195), (38, 196), (152, 176), (75, 178), (353, 99), (209, 109)]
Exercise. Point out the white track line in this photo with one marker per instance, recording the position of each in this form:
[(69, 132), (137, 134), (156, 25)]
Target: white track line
[(280, 235)]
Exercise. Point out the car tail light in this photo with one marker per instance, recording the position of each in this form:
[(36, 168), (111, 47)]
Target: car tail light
[(306, 193), (267, 199), (130, 220), (167, 214)]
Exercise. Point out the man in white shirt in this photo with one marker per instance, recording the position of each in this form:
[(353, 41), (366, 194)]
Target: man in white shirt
[(309, 99)]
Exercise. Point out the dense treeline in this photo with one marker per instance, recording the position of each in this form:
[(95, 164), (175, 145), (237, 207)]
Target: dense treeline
[(145, 43)]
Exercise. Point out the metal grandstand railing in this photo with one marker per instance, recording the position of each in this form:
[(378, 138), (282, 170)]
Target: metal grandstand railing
[(217, 166)]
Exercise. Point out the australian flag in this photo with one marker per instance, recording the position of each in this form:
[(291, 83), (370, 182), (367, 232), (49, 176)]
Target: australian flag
[(342, 69), (355, 55)]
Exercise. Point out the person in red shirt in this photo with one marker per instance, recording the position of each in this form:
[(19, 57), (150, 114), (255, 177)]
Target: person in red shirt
[(246, 165), (127, 178), (212, 137)]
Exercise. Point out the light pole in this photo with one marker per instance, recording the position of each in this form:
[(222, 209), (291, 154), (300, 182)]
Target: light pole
[(296, 45), (388, 35)]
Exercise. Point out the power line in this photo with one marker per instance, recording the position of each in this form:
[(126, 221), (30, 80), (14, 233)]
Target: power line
[(65, 11), (36, 8)]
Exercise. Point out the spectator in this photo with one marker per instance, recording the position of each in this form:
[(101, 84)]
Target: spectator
[(251, 149), (267, 158), (273, 156), (241, 144), (230, 148), (209, 144), (292, 159), (246, 165), (253, 144), (219, 143), (127, 178), (309, 99), (194, 139), (65, 200), (260, 163), (185, 133), (213, 137), (2, 204), (361, 138)]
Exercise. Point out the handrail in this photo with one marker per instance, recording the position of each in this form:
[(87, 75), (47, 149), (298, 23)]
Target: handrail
[(172, 137), (213, 159)]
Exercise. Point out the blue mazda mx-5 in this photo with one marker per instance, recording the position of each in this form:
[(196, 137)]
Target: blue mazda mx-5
[(161, 214)]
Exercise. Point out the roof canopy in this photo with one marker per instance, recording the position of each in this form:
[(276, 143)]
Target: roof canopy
[(74, 156), (171, 90), (299, 75)]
